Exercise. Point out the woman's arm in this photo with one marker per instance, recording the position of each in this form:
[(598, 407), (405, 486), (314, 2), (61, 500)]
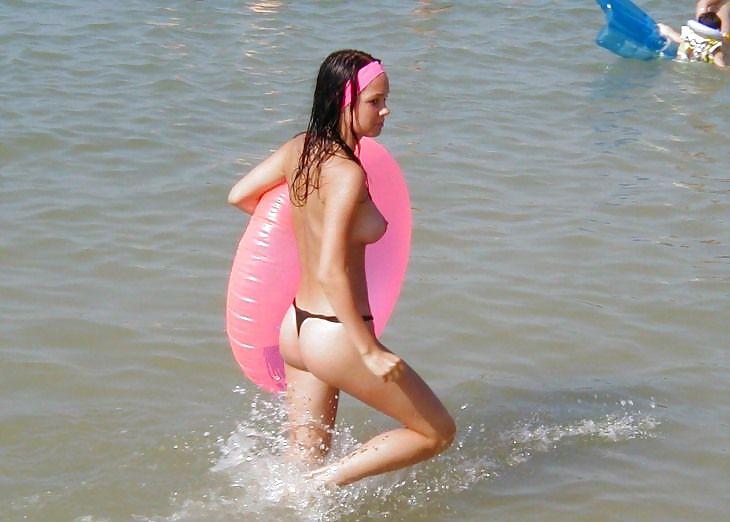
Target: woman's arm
[(343, 193), (248, 191)]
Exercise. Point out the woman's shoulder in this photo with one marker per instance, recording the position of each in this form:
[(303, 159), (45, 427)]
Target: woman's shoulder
[(341, 173), (343, 166), (294, 145), (288, 153)]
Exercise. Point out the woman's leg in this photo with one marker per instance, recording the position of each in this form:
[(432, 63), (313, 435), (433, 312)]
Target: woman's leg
[(311, 403), (312, 408), (427, 428)]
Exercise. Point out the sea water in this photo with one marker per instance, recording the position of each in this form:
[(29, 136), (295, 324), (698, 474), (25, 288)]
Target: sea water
[(567, 295)]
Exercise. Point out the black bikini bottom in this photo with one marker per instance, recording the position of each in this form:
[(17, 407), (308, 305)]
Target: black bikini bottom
[(302, 315)]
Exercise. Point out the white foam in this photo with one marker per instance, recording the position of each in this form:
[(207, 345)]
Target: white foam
[(252, 478)]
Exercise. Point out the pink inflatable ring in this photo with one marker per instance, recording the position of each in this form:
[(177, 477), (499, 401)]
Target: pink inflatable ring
[(265, 270)]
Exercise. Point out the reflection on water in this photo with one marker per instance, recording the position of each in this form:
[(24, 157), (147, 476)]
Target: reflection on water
[(265, 7)]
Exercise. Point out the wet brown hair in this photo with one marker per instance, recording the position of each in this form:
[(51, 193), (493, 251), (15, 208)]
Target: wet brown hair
[(322, 139)]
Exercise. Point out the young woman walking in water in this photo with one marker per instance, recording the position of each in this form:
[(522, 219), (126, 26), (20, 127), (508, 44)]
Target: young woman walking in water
[(327, 339)]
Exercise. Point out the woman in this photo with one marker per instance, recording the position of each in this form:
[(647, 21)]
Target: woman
[(327, 339)]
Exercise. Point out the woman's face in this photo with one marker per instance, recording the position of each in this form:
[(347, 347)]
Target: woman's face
[(371, 108)]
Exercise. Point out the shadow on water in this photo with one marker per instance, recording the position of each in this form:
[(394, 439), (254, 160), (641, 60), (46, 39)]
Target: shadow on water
[(500, 431)]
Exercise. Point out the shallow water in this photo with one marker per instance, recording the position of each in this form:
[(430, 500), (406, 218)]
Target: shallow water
[(567, 295)]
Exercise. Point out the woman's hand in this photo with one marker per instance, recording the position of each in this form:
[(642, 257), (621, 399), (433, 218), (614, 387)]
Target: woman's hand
[(386, 365)]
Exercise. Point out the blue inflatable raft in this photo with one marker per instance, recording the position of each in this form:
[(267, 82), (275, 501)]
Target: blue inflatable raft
[(631, 33)]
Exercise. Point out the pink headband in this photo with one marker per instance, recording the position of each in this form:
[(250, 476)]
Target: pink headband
[(364, 76)]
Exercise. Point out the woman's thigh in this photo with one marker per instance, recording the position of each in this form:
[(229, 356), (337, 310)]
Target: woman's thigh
[(329, 355), (312, 403), (289, 342)]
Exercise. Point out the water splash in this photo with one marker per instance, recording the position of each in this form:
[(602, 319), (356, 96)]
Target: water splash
[(536, 437), (252, 479)]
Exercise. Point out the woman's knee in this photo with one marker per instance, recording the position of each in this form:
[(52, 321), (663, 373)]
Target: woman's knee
[(447, 433), (443, 435)]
